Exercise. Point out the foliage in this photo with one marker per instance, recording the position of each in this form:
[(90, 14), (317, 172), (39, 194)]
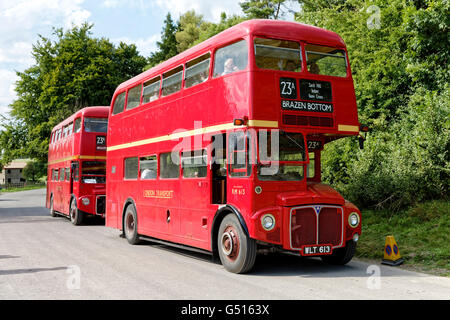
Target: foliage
[(398, 54), (34, 170), (263, 9), (71, 72), (420, 231), (167, 47), (190, 26)]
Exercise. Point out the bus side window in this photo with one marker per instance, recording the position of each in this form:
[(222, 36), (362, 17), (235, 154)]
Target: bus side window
[(197, 71), (172, 81), (77, 125), (230, 59), (148, 168), (131, 168), (61, 174), (119, 103), (67, 174), (151, 90), (194, 164), (169, 167), (70, 130), (134, 97)]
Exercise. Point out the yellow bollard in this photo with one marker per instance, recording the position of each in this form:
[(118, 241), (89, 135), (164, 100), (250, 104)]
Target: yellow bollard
[(392, 255)]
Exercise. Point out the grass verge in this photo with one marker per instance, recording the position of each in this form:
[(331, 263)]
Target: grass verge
[(422, 234), (30, 187)]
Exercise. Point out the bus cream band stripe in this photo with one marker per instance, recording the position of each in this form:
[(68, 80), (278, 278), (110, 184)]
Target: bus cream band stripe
[(343, 127), (78, 157), (175, 136)]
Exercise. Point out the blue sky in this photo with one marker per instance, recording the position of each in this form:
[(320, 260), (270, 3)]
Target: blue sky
[(132, 21)]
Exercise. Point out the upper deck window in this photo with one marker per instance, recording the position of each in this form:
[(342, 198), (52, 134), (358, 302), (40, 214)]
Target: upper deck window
[(278, 54), (151, 90), (95, 125), (231, 58), (172, 81), (134, 97), (326, 61), (77, 125), (197, 71), (119, 103)]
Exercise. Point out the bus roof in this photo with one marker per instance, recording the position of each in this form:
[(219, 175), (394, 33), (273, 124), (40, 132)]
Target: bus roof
[(269, 28), (87, 111)]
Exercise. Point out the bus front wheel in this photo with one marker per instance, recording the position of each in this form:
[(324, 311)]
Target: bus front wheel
[(130, 225), (237, 251), (76, 216), (341, 256)]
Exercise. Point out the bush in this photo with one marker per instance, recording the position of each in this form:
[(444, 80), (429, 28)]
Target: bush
[(407, 164)]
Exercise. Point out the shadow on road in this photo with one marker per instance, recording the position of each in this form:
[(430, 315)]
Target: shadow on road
[(282, 264), (33, 270), (8, 257), (6, 213)]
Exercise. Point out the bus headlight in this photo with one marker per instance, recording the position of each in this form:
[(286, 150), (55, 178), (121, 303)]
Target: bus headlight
[(353, 219), (268, 222), (85, 201)]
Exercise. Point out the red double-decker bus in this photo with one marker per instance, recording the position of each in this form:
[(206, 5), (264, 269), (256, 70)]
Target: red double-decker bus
[(77, 165), (219, 147)]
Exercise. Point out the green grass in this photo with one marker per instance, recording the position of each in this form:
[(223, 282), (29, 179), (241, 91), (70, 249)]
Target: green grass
[(29, 187), (422, 234)]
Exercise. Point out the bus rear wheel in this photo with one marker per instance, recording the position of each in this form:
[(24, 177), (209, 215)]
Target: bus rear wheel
[(237, 251), (76, 216), (130, 225)]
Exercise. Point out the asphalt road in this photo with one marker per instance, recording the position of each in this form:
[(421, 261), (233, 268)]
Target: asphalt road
[(48, 258)]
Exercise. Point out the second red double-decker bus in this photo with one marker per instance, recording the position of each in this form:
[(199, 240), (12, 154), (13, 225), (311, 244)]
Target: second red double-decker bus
[(219, 147), (77, 165)]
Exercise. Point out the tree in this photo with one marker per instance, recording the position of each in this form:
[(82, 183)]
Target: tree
[(264, 9), (71, 72), (167, 47), (189, 28), (34, 170)]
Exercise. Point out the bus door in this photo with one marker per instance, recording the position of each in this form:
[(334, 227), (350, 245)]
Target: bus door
[(218, 170), (74, 178), (195, 194), (66, 190)]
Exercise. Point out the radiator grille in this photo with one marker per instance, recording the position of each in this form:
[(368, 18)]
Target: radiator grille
[(309, 227)]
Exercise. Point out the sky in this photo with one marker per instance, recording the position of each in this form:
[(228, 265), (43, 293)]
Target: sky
[(131, 21)]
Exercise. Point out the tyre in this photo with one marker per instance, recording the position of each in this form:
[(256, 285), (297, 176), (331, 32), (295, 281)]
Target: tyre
[(52, 210), (130, 225), (341, 256), (237, 252), (76, 215)]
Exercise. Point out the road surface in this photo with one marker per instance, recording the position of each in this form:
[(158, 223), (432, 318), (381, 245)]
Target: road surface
[(48, 258)]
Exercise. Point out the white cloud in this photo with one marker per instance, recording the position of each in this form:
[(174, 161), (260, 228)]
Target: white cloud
[(210, 10), (7, 93), (145, 46)]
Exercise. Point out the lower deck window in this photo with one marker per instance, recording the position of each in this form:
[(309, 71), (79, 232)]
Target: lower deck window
[(169, 165)]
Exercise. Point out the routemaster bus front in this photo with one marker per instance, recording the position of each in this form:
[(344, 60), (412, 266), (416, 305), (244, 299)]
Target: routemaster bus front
[(299, 215)]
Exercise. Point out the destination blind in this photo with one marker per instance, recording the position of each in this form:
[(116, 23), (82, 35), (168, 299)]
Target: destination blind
[(315, 96)]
